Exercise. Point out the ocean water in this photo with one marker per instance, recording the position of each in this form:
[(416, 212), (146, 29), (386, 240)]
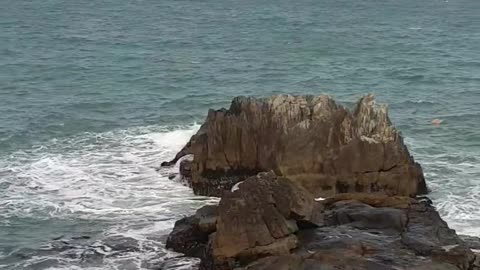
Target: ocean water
[(95, 94)]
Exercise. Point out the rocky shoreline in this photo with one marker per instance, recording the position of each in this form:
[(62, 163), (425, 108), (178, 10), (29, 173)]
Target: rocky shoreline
[(307, 184)]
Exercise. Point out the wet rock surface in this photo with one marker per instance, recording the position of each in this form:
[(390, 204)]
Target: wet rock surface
[(186, 169), (309, 139), (272, 223), (190, 234)]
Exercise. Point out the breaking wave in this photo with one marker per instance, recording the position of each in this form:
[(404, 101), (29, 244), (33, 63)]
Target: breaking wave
[(100, 201), (95, 201)]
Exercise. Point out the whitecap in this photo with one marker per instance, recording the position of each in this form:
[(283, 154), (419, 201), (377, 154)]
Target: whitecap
[(109, 179)]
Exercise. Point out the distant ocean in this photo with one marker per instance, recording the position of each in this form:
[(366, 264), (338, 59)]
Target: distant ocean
[(95, 94)]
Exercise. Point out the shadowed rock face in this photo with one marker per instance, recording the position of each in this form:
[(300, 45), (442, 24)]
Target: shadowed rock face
[(309, 139)]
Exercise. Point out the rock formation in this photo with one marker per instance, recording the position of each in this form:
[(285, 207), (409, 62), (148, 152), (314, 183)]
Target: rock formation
[(272, 223), (309, 139), (270, 159)]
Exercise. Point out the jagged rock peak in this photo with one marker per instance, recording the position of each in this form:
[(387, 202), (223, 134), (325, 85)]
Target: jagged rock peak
[(310, 139)]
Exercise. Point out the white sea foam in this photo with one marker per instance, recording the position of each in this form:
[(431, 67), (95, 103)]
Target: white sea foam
[(109, 179), (109, 183), (452, 175)]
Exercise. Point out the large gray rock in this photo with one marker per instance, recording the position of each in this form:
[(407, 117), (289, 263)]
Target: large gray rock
[(272, 223), (260, 218), (309, 139), (359, 236)]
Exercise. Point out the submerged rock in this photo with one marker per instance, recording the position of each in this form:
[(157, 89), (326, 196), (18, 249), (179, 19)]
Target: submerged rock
[(309, 139), (271, 223)]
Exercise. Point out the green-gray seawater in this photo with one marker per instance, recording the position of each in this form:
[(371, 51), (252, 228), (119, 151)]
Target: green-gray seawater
[(95, 94)]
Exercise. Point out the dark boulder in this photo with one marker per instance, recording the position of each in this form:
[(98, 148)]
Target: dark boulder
[(260, 218), (412, 237), (190, 234), (261, 226), (363, 216), (187, 238), (207, 218)]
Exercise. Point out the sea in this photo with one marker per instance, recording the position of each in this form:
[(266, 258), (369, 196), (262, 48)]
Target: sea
[(95, 94)]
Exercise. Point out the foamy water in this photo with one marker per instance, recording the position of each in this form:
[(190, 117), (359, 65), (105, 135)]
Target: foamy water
[(452, 177), (111, 79), (98, 201), (95, 201)]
